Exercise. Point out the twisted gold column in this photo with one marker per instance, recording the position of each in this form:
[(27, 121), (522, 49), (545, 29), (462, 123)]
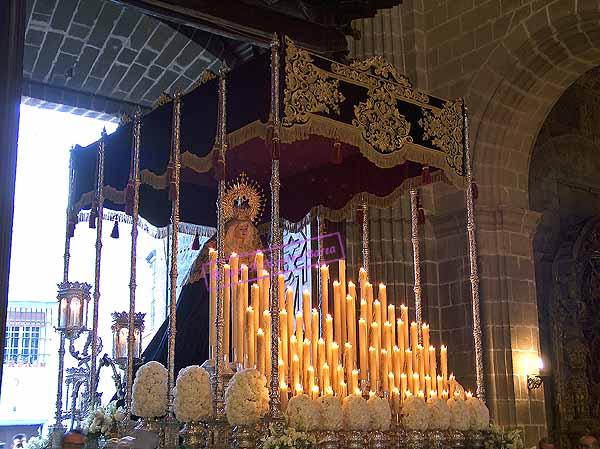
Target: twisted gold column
[(474, 278), (133, 274), (100, 214), (175, 180), (276, 237), (414, 222)]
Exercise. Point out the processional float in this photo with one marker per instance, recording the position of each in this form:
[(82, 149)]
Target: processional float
[(323, 139)]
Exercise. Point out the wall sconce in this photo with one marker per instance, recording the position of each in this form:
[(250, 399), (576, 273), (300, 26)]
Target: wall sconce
[(535, 381), (120, 329), (73, 299)]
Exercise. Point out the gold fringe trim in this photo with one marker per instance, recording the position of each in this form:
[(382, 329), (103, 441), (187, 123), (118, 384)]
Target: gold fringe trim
[(110, 193), (332, 129)]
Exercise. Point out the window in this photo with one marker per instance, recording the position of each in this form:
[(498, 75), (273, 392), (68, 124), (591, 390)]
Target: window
[(22, 344)]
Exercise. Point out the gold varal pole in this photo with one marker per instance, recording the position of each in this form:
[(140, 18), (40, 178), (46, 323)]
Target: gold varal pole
[(276, 237), (219, 427), (100, 206), (365, 235), (414, 221), (171, 435), (132, 275), (477, 334), (58, 428)]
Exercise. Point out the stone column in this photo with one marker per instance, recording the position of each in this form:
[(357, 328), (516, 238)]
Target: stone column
[(510, 318), (12, 34)]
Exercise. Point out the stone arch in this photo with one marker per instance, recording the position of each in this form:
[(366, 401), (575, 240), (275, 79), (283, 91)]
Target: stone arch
[(513, 92)]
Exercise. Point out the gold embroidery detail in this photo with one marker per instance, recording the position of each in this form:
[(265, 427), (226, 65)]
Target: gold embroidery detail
[(376, 70), (162, 100), (380, 122), (206, 76), (124, 119), (445, 130), (307, 89)]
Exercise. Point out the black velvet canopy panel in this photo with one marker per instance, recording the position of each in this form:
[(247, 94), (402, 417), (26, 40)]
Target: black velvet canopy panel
[(349, 133)]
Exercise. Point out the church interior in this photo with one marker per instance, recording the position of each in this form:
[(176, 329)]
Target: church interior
[(447, 148)]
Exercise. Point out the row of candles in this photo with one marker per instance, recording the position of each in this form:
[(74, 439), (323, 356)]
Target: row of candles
[(324, 353)]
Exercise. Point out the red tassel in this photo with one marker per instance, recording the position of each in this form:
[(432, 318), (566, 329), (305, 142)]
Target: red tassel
[(115, 230), (337, 153), (196, 243), (93, 215), (474, 190), (425, 176), (129, 198), (421, 216)]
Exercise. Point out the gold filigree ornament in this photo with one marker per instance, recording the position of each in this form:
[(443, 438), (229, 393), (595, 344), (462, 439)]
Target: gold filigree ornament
[(163, 99), (308, 89), (243, 200), (445, 130), (373, 71), (380, 122)]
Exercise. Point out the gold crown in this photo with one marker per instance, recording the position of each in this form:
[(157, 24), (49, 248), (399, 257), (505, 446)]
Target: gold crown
[(243, 200)]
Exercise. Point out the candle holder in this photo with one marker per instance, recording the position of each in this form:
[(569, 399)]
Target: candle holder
[(415, 439), (170, 428), (476, 439), (399, 436), (73, 299), (244, 437), (120, 330), (455, 439), (436, 439), (379, 440), (354, 440), (151, 425), (328, 440), (194, 435)]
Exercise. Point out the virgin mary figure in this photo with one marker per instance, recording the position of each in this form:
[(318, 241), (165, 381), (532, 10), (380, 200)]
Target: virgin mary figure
[(243, 204)]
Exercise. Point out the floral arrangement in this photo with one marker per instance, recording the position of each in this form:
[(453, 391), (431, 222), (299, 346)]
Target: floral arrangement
[(192, 394), (150, 391), (246, 398), (38, 442), (415, 414), (478, 413), (303, 413), (440, 414), (356, 413), (460, 418), (332, 417), (102, 419), (291, 439), (381, 415), (496, 437)]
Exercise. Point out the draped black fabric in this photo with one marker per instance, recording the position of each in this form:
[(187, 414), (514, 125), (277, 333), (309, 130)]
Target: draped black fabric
[(191, 340)]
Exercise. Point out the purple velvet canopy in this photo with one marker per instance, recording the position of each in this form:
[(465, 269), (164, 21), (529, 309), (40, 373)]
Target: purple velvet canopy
[(349, 133)]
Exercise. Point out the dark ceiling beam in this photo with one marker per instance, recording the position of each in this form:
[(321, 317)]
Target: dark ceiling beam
[(240, 21)]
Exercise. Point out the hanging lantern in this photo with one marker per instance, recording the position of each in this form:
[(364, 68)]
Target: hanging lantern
[(73, 299), (120, 330)]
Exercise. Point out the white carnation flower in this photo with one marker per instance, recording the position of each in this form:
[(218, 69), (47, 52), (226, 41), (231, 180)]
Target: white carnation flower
[(415, 414), (192, 392), (303, 413), (459, 414), (381, 415), (246, 398), (440, 414), (332, 417), (356, 413), (478, 413), (150, 391)]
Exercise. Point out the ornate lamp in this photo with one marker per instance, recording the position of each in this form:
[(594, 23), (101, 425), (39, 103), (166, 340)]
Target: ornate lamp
[(73, 299), (120, 330)]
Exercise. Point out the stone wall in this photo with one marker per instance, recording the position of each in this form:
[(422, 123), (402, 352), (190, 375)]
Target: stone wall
[(511, 60)]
